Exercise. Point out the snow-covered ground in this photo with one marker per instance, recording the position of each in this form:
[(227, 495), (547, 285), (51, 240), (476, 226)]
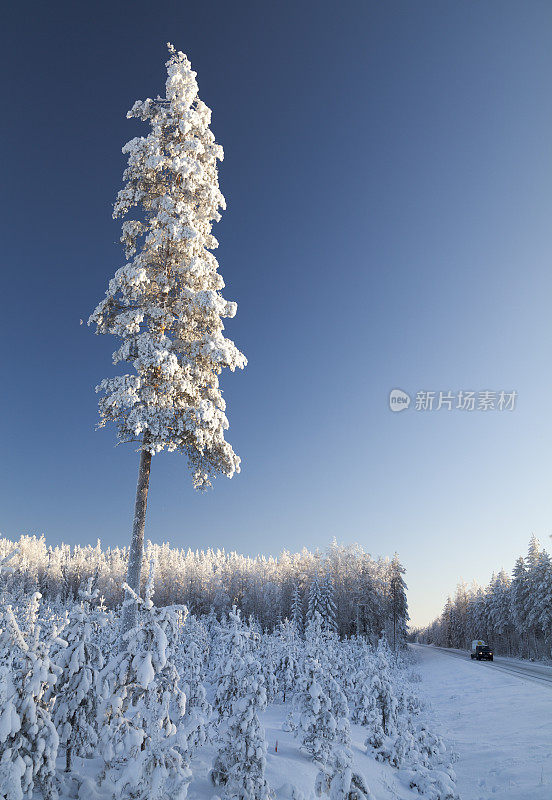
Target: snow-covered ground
[(499, 723), (500, 726), (287, 766)]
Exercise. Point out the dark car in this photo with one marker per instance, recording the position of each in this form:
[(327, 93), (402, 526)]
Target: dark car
[(483, 653)]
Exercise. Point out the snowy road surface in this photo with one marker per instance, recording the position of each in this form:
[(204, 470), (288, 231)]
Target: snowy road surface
[(499, 722), (539, 673)]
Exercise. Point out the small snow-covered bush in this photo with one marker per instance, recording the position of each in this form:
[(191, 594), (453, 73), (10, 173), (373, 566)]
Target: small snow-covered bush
[(381, 715), (433, 784), (340, 782), (241, 759), (315, 726), (145, 745), (28, 738), (77, 689)]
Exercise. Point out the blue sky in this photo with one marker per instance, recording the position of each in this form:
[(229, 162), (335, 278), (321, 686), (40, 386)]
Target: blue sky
[(388, 177)]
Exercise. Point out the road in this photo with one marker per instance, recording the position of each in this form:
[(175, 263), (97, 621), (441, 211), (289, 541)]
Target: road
[(528, 670), (497, 717)]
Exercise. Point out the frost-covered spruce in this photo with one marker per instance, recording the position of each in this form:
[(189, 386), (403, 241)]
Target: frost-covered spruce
[(28, 738), (423, 756), (6, 572), (403, 745), (340, 712), (382, 716), (398, 602), (240, 762), (165, 303), (339, 782), (314, 605), (323, 645), (77, 688), (145, 743), (268, 661), (433, 784), (362, 692), (198, 710), (297, 610), (235, 640), (316, 726), (328, 609), (286, 664), (314, 644)]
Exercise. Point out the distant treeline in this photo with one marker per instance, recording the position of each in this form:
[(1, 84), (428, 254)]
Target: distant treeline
[(513, 613), (369, 594)]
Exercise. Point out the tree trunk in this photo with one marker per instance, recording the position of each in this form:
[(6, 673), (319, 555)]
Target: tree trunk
[(68, 753), (137, 545)]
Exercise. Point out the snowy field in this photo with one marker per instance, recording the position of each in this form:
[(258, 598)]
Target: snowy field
[(288, 770), (205, 708), (288, 767), (499, 724)]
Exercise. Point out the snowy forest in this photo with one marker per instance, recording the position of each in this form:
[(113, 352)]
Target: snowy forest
[(216, 702), (353, 592), (513, 613)]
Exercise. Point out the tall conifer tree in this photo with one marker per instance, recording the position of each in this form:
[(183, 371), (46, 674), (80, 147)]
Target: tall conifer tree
[(165, 302)]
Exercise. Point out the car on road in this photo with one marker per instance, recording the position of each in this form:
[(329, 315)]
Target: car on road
[(481, 651)]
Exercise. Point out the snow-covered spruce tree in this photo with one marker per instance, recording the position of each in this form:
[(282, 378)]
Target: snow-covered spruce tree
[(518, 598), (28, 738), (362, 687), (145, 741), (314, 600), (357, 656), (297, 610), (328, 608), (268, 659), (339, 782), (316, 726), (165, 303), (240, 762), (398, 602), (429, 766), (382, 716), (235, 641), (10, 587), (198, 710), (77, 688), (313, 636), (287, 658), (340, 712), (322, 644)]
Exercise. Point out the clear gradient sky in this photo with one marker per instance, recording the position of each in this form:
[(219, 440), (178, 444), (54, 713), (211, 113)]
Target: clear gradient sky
[(388, 174)]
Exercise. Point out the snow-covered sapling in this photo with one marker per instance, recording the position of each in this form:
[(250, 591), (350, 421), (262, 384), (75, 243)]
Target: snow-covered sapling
[(77, 689), (240, 763), (28, 737), (339, 782), (145, 742), (195, 725), (316, 725), (382, 715)]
